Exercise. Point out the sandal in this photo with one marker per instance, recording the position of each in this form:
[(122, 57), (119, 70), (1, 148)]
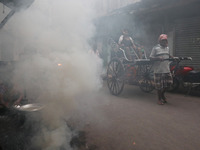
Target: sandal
[(164, 101), (160, 102)]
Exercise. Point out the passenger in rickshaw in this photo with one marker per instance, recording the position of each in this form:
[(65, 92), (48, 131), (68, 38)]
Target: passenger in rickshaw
[(162, 75), (127, 43)]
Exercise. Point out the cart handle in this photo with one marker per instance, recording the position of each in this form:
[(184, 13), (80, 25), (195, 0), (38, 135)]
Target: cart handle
[(125, 54), (175, 59)]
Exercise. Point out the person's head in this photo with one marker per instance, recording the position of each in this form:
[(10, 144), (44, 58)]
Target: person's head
[(125, 32), (163, 40)]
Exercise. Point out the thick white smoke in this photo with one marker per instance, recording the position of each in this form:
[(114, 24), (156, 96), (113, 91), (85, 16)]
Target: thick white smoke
[(46, 34)]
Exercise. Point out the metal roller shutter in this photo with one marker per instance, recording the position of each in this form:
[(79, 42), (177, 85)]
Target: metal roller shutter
[(187, 40)]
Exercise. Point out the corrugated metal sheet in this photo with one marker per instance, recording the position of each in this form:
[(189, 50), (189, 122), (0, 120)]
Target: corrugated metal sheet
[(187, 40)]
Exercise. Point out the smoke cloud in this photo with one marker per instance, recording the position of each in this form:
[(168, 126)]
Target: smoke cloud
[(53, 65)]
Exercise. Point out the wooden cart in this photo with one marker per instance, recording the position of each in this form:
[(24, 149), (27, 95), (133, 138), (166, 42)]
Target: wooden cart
[(121, 71)]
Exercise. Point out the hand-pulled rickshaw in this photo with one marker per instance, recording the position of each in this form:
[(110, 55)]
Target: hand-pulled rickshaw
[(121, 71)]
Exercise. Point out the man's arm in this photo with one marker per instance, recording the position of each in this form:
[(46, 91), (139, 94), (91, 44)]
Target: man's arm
[(153, 56), (19, 99), (120, 40), (19, 91), (133, 44)]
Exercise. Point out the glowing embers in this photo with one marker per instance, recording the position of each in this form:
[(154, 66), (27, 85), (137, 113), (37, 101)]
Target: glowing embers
[(59, 65)]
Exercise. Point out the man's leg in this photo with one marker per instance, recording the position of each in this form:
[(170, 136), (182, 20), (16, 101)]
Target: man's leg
[(163, 96), (159, 93), (158, 86)]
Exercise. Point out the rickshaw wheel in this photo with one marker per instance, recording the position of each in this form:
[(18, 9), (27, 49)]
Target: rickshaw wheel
[(146, 83), (115, 76)]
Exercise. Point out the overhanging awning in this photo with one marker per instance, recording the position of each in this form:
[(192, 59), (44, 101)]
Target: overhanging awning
[(14, 5), (17, 4)]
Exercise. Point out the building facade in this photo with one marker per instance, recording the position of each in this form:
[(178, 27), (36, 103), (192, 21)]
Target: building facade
[(146, 20), (104, 7)]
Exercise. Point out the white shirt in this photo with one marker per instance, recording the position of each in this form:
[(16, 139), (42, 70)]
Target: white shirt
[(163, 52)]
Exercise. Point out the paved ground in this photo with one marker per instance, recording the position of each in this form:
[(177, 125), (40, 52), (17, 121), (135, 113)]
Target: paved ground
[(133, 121)]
